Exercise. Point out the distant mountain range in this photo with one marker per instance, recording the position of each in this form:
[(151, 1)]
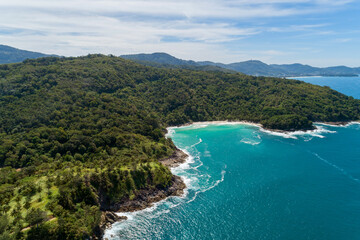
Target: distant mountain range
[(13, 55), (252, 67)]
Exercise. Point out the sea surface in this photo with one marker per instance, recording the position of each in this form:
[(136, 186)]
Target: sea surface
[(246, 183), (347, 85)]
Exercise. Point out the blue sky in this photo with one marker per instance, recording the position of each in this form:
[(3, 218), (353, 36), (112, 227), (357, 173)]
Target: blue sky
[(319, 32)]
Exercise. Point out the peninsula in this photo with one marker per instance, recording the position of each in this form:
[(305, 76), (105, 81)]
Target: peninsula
[(84, 137)]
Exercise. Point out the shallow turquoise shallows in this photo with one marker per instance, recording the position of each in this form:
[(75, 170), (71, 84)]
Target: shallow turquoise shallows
[(347, 85), (244, 183)]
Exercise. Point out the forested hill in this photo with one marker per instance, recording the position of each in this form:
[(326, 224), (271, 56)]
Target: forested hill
[(85, 133), (13, 55)]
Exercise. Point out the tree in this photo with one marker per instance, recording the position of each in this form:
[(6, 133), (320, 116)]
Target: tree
[(4, 222), (36, 216)]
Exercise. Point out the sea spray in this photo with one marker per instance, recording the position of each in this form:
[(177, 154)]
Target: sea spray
[(318, 132)]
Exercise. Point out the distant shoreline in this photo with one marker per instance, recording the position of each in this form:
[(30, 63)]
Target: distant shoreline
[(322, 76)]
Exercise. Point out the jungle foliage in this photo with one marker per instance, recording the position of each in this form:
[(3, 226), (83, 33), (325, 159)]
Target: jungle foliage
[(79, 134)]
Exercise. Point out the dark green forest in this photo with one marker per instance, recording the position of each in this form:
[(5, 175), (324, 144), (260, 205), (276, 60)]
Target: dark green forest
[(80, 134)]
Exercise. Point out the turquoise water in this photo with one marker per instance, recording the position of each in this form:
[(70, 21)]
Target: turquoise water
[(244, 183), (347, 85)]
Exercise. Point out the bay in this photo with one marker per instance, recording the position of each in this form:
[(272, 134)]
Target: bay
[(245, 183), (347, 85)]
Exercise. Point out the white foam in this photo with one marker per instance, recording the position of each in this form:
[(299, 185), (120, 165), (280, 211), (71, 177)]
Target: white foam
[(170, 132), (196, 125), (194, 145), (280, 134), (352, 123), (339, 126), (201, 164), (129, 215), (185, 165), (217, 182), (294, 135), (249, 141)]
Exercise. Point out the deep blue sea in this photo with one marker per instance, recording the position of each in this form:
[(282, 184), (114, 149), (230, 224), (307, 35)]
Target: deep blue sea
[(245, 183), (347, 85)]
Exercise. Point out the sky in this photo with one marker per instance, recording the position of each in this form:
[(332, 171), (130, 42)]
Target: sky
[(319, 32)]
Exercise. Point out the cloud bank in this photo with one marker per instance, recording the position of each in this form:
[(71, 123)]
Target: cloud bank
[(220, 30)]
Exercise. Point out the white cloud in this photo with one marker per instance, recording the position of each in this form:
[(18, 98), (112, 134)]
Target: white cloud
[(202, 27), (161, 8), (297, 28)]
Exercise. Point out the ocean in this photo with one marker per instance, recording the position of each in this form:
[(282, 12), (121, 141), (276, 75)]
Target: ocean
[(348, 85), (247, 183)]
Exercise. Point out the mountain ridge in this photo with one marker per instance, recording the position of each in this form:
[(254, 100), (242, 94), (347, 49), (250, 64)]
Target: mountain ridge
[(10, 54), (250, 67), (14, 55)]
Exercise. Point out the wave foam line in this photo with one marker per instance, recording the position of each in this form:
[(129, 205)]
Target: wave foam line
[(194, 145), (223, 172), (294, 135), (337, 168), (201, 164), (337, 125), (249, 141)]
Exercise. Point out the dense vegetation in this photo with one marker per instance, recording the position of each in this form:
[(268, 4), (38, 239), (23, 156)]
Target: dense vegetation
[(79, 134)]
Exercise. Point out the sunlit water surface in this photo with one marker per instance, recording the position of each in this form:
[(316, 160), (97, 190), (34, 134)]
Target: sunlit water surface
[(244, 183)]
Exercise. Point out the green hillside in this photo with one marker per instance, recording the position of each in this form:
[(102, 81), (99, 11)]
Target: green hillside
[(13, 55), (78, 135)]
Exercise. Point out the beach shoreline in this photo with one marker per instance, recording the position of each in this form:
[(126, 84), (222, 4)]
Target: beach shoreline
[(262, 128), (225, 122), (147, 198)]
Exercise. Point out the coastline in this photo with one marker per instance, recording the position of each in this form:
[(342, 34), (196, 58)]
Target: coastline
[(169, 216), (316, 131), (338, 124), (177, 158), (225, 122), (147, 197), (321, 76), (262, 128)]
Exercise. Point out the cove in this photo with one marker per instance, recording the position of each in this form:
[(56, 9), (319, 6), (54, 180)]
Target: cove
[(245, 183)]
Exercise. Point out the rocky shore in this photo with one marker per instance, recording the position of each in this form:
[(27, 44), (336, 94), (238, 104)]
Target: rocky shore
[(145, 197), (107, 219), (339, 123), (177, 158)]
